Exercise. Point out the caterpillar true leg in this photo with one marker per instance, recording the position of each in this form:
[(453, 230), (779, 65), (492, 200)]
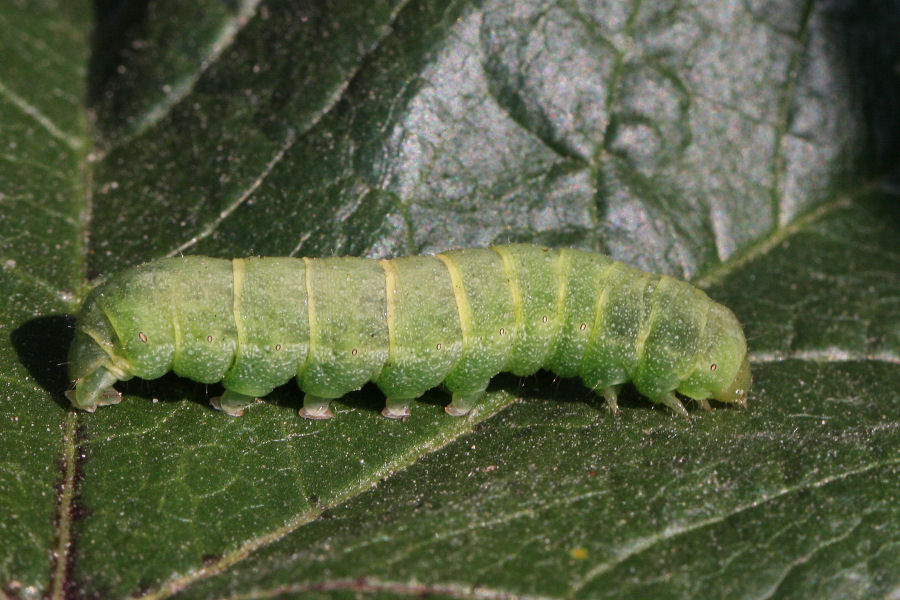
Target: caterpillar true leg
[(95, 389), (670, 400), (316, 408), (106, 397), (611, 395)]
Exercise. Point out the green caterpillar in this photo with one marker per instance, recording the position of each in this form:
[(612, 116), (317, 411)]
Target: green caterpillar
[(408, 324)]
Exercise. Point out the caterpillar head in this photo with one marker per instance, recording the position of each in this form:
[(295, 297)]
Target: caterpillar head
[(722, 370), (116, 337), (92, 361)]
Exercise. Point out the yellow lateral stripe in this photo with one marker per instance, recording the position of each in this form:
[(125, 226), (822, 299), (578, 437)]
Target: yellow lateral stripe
[(237, 270), (106, 346), (462, 301), (390, 287), (512, 276), (311, 309), (117, 365)]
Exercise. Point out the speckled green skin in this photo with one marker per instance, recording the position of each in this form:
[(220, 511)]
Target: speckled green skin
[(408, 324)]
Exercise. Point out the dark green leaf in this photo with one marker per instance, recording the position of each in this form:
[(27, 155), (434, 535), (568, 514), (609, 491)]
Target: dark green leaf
[(741, 145)]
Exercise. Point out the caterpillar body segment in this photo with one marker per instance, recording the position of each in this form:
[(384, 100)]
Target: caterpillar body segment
[(408, 324)]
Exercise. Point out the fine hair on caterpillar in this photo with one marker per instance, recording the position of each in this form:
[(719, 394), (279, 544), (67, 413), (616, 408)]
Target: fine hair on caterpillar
[(408, 324)]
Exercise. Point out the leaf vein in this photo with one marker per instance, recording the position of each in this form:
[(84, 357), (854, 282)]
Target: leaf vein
[(641, 545), (180, 89), (249, 547), (210, 228), (73, 142)]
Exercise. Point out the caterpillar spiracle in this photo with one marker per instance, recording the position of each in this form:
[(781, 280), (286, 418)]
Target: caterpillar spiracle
[(407, 324)]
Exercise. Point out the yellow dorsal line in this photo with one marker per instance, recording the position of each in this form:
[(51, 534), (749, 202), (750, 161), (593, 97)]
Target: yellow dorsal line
[(698, 350), (512, 276), (238, 267), (599, 307), (647, 325), (563, 267), (390, 287), (176, 329), (462, 301), (311, 312)]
